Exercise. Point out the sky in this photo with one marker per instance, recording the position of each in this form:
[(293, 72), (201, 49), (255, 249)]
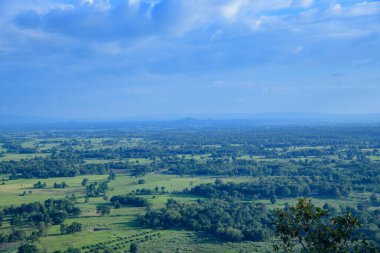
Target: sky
[(130, 58)]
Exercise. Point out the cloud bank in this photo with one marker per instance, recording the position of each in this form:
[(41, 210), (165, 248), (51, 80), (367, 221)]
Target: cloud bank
[(64, 57)]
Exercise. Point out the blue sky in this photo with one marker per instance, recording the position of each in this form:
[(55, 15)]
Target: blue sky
[(120, 58)]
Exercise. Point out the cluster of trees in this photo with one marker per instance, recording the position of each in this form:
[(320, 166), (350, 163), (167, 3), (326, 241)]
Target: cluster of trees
[(37, 216), (128, 200), (53, 211), (71, 229), (103, 210), (60, 185), (15, 146), (16, 235), (230, 220), (367, 216), (97, 189), (39, 185)]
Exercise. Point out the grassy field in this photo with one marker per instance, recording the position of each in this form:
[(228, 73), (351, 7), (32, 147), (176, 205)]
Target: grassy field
[(122, 222), (121, 227)]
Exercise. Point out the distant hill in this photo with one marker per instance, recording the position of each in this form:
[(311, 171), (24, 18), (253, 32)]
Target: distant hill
[(199, 120)]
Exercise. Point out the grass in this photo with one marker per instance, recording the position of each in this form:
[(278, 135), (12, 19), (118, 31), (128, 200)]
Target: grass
[(18, 157), (122, 222)]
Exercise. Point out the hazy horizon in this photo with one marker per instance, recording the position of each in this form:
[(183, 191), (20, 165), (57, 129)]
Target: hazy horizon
[(113, 59)]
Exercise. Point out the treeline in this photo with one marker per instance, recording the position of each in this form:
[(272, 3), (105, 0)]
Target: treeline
[(229, 220), (271, 188), (56, 167), (359, 175), (44, 168)]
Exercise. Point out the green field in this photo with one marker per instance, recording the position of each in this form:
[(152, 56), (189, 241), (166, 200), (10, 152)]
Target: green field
[(122, 222), (172, 161)]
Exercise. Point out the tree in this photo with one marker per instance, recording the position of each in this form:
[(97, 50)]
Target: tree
[(309, 229), (1, 217), (218, 181), (84, 181), (71, 229), (373, 199), (103, 210), (27, 248), (273, 199), (232, 234), (72, 250), (133, 248), (63, 229), (112, 176), (39, 185)]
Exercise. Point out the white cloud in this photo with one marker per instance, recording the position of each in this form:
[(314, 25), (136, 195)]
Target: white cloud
[(230, 10), (133, 2), (334, 9), (87, 1), (98, 4), (359, 9), (256, 24), (303, 3), (364, 8)]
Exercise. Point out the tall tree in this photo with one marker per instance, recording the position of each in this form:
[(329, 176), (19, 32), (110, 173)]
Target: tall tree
[(309, 229)]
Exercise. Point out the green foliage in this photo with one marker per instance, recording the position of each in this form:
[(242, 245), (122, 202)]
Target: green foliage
[(338, 165), (39, 185), (309, 229), (71, 229), (97, 189), (72, 250), (103, 210), (133, 248), (84, 181), (128, 201), (270, 189), (112, 176), (60, 185), (229, 220), (27, 248)]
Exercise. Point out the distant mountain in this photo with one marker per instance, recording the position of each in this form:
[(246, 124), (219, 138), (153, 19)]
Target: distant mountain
[(198, 120)]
